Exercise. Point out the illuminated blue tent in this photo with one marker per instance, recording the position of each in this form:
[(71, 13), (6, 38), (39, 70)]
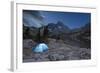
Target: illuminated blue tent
[(40, 48)]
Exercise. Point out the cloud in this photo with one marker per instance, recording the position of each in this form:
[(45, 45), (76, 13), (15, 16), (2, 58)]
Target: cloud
[(33, 19)]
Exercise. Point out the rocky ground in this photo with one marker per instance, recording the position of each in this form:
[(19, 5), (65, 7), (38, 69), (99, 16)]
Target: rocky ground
[(58, 51)]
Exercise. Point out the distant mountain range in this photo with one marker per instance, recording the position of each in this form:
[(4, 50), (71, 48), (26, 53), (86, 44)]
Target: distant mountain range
[(80, 36), (58, 27)]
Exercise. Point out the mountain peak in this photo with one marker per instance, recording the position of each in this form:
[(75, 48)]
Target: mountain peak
[(59, 22)]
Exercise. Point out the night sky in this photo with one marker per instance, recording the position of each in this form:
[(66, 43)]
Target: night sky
[(70, 19)]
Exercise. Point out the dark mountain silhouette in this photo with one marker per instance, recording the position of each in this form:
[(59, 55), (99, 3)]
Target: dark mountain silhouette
[(59, 27)]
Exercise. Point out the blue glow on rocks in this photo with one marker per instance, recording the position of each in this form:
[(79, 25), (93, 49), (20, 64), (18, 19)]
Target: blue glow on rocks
[(40, 48)]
